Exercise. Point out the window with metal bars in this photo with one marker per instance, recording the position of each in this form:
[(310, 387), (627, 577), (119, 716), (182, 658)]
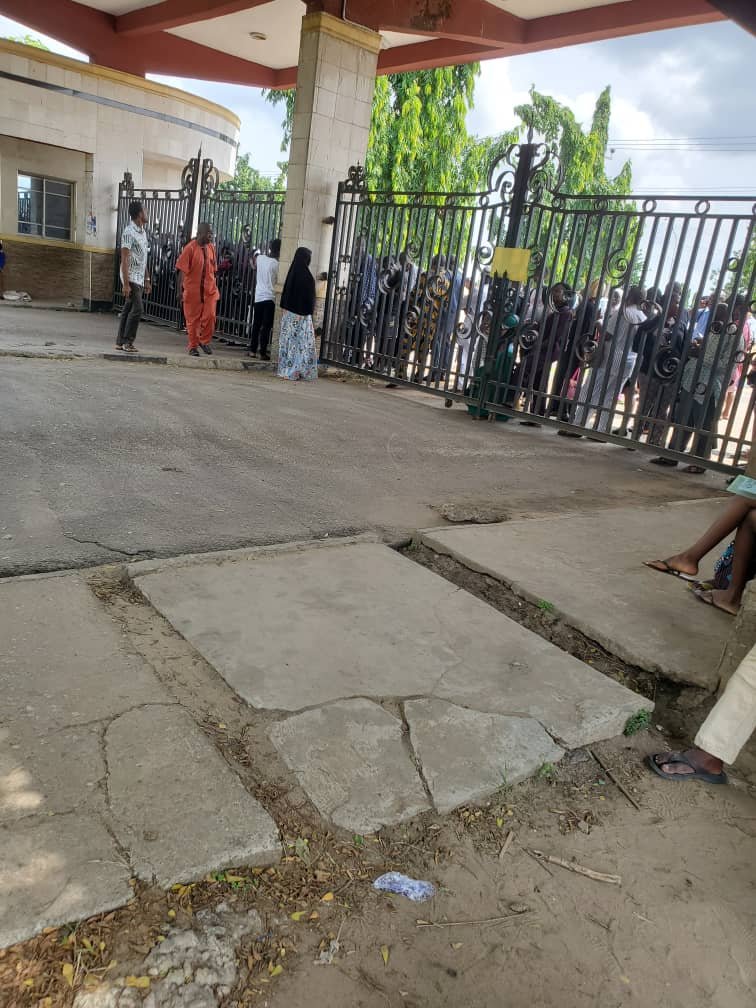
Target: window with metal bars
[(45, 207)]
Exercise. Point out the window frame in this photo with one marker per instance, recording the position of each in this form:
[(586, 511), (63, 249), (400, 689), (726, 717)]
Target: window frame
[(45, 179)]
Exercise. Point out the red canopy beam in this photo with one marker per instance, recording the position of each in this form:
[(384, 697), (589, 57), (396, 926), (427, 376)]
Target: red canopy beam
[(743, 12), (616, 20), (176, 13)]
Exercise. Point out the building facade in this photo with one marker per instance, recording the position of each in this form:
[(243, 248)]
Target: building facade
[(68, 132)]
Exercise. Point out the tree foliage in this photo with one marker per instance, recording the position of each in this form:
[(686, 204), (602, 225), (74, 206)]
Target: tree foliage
[(247, 178), (582, 154), (598, 242), (418, 135), (28, 40)]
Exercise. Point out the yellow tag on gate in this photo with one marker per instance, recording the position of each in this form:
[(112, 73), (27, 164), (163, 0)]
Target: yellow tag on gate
[(512, 261)]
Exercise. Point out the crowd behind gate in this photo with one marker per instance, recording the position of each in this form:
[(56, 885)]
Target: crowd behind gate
[(642, 362)]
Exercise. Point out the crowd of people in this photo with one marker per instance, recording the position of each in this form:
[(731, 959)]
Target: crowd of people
[(199, 270), (624, 361), (632, 361)]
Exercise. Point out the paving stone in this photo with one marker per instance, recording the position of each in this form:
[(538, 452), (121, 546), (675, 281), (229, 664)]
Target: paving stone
[(352, 761), (466, 755), (49, 773), (63, 660), (177, 806), (589, 566), (56, 870), (362, 620)]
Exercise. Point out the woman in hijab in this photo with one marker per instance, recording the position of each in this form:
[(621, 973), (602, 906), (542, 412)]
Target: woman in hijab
[(296, 350)]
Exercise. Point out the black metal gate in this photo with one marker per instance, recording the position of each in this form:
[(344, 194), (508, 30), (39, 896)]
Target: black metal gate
[(633, 321), (169, 222), (244, 223)]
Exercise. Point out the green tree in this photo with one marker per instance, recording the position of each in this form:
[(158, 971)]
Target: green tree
[(418, 136), (246, 178), (28, 40), (604, 241)]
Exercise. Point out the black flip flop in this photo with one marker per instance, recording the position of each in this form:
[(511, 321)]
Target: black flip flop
[(679, 757), (669, 570)]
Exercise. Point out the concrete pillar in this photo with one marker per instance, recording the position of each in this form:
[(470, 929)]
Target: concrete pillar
[(335, 85)]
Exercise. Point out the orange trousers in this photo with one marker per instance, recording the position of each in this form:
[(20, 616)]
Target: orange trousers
[(200, 320)]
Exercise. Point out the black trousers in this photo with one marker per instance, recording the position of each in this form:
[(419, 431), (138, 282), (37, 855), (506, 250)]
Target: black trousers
[(262, 326), (131, 316)]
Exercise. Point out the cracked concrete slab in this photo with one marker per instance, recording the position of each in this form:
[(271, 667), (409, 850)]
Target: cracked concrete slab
[(63, 660), (176, 804), (466, 755), (589, 566), (359, 619), (56, 870), (46, 774), (351, 759)]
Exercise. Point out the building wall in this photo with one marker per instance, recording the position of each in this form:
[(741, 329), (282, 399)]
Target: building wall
[(88, 125)]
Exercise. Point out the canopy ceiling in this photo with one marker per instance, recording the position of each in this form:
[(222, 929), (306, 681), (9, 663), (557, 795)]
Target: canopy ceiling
[(220, 39)]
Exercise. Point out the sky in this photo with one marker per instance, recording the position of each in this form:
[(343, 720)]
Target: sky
[(683, 104)]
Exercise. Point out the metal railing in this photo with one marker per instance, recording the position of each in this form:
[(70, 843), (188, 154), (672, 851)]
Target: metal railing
[(244, 222), (634, 322)]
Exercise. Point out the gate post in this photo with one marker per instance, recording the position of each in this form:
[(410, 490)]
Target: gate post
[(503, 290)]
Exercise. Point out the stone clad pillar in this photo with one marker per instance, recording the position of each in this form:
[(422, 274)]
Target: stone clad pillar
[(335, 85)]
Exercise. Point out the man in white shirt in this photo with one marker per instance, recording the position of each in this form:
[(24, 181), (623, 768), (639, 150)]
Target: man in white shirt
[(136, 282), (265, 301)]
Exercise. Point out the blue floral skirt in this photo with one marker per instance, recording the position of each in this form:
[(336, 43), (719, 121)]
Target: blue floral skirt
[(296, 348)]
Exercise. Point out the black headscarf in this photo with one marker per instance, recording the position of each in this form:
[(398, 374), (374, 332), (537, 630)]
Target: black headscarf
[(299, 290)]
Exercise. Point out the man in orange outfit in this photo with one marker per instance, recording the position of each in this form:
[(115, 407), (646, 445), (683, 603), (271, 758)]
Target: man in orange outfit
[(198, 289)]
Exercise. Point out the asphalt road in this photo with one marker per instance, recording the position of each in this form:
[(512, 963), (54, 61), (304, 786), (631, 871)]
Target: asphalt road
[(101, 461)]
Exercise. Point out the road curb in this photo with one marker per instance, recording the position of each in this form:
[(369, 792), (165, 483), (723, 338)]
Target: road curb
[(177, 360)]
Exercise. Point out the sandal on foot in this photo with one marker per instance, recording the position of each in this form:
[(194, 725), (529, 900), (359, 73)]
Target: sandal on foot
[(679, 757), (664, 567), (706, 595)]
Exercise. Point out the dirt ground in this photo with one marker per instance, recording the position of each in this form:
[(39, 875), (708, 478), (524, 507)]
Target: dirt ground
[(507, 927)]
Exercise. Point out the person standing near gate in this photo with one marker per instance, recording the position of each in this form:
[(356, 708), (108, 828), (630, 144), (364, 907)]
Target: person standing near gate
[(198, 289), (265, 300), (134, 276)]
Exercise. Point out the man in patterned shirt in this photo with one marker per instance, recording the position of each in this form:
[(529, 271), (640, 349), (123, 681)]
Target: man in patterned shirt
[(136, 282)]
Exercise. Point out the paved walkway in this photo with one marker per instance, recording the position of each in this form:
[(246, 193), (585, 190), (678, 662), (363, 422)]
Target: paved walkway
[(384, 690), (589, 566), (62, 334), (96, 760), (358, 644)]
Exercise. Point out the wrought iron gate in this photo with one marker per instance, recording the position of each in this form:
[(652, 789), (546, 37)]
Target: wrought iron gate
[(244, 223), (634, 322)]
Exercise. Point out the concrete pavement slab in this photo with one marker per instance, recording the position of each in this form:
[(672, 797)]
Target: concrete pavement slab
[(176, 804), (352, 761), (589, 566), (63, 661), (467, 755), (57, 870), (46, 774), (310, 626)]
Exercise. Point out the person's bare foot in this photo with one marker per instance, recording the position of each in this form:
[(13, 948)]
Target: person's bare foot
[(697, 760), (679, 563), (720, 598)]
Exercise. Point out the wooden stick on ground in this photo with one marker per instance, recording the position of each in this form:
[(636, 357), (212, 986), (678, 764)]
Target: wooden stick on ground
[(614, 780), (578, 869), (470, 923), (507, 844)]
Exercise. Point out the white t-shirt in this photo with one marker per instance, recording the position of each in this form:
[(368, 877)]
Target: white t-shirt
[(134, 239), (267, 277)]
